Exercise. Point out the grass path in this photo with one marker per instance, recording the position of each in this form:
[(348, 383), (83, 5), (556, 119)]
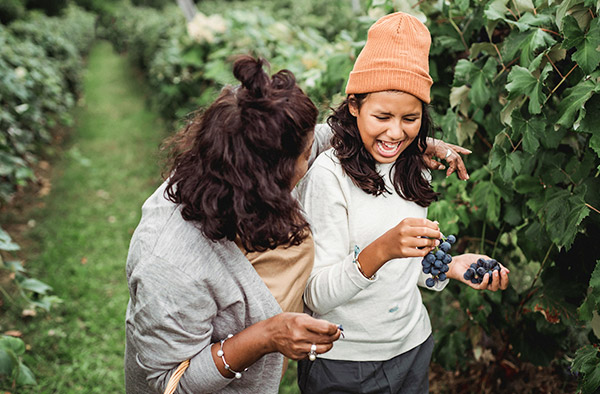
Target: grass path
[(83, 229)]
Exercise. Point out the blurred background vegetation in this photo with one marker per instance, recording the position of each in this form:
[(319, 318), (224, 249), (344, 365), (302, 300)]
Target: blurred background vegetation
[(516, 81)]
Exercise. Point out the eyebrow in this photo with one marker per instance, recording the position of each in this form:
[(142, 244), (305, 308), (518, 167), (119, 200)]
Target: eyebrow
[(391, 114)]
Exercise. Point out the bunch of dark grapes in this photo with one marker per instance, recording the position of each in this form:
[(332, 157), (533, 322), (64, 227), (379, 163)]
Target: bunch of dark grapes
[(436, 262), (477, 271)]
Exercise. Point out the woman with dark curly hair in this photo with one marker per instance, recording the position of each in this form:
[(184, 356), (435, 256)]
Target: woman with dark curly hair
[(193, 293)]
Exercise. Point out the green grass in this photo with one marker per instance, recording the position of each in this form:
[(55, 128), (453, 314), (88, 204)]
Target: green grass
[(80, 241), (109, 166)]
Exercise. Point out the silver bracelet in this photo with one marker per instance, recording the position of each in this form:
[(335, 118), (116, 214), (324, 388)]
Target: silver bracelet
[(220, 353)]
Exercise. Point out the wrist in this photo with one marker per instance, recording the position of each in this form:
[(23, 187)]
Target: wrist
[(372, 258), (268, 329)]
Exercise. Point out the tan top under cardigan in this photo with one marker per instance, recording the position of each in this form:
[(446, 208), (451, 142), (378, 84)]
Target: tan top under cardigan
[(285, 271)]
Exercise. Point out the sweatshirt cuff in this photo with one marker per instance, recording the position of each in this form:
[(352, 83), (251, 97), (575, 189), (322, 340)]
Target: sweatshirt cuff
[(351, 267)]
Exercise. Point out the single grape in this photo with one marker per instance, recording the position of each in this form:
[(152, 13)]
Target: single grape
[(430, 282), (447, 259), (445, 246), (440, 254), (442, 276), (451, 239)]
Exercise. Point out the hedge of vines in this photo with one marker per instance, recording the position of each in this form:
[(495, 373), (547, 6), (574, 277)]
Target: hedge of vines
[(517, 82)]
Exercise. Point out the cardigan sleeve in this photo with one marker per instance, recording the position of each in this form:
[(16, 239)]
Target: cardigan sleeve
[(170, 319), (322, 142)]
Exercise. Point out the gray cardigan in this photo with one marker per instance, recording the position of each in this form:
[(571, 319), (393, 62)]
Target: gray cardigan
[(187, 292)]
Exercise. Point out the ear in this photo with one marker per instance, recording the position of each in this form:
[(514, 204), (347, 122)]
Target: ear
[(352, 107)]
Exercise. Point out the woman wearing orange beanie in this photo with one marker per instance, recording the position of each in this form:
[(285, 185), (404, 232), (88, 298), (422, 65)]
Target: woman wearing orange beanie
[(366, 199)]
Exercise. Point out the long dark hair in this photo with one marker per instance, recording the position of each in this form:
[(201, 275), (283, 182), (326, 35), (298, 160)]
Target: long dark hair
[(231, 168), (409, 179)]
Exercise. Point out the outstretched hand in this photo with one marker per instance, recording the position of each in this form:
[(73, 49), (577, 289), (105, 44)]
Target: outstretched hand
[(293, 334), (461, 263), (450, 153)]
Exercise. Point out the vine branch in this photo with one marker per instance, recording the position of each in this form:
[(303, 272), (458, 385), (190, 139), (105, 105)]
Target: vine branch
[(560, 83), (592, 208)]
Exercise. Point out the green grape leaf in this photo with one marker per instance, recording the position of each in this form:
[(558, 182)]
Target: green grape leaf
[(463, 72), (587, 361), (465, 130), (496, 10), (595, 145), (532, 130), (562, 213), (528, 44), (522, 81), (459, 97), (526, 184), (586, 43), (487, 196), (574, 100), (592, 301), (529, 21), (562, 10), (591, 116)]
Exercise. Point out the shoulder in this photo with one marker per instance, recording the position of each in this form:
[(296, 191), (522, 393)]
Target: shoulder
[(173, 243)]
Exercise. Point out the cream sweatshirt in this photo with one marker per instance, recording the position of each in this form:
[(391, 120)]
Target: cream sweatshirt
[(384, 317)]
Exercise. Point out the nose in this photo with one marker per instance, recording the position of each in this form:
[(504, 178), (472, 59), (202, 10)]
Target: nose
[(395, 130)]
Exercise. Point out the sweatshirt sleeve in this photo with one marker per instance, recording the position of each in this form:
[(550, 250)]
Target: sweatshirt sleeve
[(335, 278), (171, 320)]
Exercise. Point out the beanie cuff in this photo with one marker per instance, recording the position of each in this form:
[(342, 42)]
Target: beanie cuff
[(377, 80)]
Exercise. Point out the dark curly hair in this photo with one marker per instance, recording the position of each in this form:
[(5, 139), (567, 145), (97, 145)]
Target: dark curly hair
[(409, 180), (232, 166)]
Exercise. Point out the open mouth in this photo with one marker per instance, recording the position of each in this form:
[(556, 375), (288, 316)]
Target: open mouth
[(387, 148)]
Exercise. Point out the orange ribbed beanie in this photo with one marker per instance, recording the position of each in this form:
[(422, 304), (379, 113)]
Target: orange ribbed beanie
[(395, 57)]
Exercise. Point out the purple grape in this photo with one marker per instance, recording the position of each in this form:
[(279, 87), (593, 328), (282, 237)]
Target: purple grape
[(445, 246)]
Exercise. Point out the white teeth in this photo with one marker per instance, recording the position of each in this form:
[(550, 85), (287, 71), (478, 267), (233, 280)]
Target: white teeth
[(388, 145)]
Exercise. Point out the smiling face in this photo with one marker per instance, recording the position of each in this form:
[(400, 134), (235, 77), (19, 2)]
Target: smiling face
[(388, 123)]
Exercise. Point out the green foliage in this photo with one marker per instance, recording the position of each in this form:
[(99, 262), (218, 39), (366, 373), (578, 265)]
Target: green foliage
[(12, 368), (11, 10), (33, 291), (516, 82), (40, 78), (525, 83), (187, 70), (587, 362), (49, 7), (158, 4)]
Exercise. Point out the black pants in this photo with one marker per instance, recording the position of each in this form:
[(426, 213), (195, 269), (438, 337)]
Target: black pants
[(407, 373)]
